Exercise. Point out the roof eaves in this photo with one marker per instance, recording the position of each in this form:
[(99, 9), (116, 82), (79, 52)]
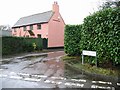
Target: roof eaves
[(28, 24)]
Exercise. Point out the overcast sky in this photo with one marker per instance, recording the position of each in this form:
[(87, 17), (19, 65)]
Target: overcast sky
[(72, 11)]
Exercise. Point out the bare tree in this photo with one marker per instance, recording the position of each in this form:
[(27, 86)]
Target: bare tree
[(5, 27), (110, 4)]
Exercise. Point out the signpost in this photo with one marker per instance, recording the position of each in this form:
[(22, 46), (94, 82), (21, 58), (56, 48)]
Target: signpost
[(89, 53)]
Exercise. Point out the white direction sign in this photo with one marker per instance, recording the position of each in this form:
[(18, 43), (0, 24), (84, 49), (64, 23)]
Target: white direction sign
[(89, 53)]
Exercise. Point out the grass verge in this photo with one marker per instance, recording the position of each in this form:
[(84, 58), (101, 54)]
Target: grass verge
[(76, 63)]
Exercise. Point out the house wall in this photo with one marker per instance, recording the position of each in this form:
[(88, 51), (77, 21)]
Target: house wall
[(21, 33), (56, 31)]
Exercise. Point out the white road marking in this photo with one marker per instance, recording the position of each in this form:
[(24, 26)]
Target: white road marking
[(39, 76), (53, 82), (94, 81), (2, 75), (64, 79), (23, 74), (47, 81), (32, 79), (79, 80), (58, 78), (12, 73), (118, 84), (35, 75), (101, 87), (59, 83), (42, 76), (101, 82), (104, 82), (67, 84), (73, 84), (15, 77)]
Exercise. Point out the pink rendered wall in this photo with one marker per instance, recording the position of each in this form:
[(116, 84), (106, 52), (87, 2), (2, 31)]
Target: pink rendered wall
[(43, 31), (56, 29)]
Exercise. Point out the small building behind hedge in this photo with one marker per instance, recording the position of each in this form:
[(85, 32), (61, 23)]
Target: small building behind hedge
[(5, 33)]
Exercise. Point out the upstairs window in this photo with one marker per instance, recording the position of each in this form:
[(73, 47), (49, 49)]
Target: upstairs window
[(24, 28), (31, 27), (39, 26), (15, 30)]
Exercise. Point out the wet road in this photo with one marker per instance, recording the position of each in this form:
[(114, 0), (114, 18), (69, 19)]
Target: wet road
[(44, 70)]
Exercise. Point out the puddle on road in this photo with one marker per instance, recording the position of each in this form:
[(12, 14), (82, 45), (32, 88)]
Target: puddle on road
[(33, 57), (21, 59), (55, 54), (34, 62), (56, 66)]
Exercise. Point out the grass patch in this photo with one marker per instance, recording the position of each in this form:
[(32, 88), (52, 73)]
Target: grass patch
[(76, 62), (71, 59)]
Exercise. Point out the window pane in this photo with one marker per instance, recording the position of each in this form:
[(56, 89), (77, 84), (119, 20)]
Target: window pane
[(31, 27), (15, 30), (24, 28), (39, 26)]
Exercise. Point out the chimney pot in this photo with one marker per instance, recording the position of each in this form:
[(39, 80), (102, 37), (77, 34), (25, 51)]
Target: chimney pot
[(56, 2), (55, 7)]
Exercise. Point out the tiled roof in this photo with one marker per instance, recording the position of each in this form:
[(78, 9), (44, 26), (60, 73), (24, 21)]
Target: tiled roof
[(34, 19)]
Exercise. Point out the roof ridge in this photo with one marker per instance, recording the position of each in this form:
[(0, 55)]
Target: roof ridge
[(36, 14), (34, 18)]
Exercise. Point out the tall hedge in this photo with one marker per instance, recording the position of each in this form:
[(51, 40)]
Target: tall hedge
[(101, 33), (12, 45), (72, 38)]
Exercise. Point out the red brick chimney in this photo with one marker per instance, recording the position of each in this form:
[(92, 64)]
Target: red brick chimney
[(55, 7)]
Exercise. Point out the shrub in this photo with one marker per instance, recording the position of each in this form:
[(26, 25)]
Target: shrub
[(72, 39), (101, 33), (12, 45)]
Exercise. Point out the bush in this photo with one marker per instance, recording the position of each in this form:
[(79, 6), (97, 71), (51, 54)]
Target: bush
[(101, 33), (12, 45), (72, 39)]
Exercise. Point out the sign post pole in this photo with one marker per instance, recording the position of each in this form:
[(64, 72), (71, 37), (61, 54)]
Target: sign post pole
[(82, 59), (96, 60)]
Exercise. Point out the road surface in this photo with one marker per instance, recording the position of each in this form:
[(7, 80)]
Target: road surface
[(43, 70)]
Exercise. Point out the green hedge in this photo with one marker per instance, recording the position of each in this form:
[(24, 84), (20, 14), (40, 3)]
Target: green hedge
[(12, 45), (100, 32), (72, 38)]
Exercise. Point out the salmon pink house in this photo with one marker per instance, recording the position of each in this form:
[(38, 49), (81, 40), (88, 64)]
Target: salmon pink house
[(48, 25)]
